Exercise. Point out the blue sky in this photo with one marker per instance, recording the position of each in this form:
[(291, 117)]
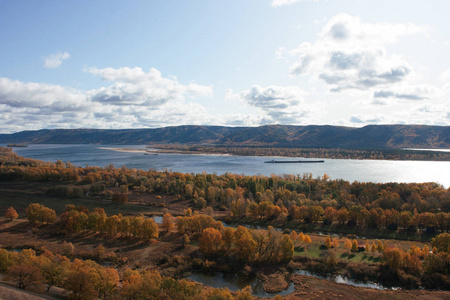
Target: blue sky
[(135, 64)]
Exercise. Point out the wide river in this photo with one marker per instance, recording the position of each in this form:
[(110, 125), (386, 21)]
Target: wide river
[(352, 170)]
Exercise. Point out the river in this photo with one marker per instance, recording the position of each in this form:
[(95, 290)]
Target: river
[(380, 171)]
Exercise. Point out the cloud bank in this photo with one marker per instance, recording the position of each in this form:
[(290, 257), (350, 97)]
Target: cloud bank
[(133, 99)]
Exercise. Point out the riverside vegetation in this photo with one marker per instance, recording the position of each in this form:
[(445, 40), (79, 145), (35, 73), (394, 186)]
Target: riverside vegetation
[(333, 153), (407, 225)]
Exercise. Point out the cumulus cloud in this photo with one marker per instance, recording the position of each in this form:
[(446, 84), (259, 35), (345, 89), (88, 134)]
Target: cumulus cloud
[(273, 97), (276, 3), (55, 60), (18, 94), (134, 99), (351, 54), (281, 104), (133, 86)]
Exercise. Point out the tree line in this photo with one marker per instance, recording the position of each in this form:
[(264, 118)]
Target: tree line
[(332, 153)]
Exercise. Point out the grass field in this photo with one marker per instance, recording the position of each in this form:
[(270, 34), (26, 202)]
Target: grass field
[(21, 194)]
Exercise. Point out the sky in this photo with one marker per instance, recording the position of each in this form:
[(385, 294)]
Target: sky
[(145, 64)]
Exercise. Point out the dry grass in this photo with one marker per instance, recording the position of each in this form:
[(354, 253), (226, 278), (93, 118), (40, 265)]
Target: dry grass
[(8, 292), (314, 288)]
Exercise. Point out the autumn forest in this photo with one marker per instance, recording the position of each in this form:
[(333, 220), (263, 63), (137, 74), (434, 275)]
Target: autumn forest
[(91, 232)]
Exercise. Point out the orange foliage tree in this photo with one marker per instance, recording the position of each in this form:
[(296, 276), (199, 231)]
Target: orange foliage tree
[(210, 241), (11, 213)]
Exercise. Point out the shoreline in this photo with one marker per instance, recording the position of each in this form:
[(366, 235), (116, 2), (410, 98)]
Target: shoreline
[(162, 151), (206, 153)]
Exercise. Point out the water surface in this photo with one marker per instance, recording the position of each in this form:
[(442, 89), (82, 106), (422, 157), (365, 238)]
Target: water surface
[(380, 171), (344, 280), (236, 282)]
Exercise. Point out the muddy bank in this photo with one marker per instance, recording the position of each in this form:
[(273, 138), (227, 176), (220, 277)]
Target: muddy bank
[(274, 283)]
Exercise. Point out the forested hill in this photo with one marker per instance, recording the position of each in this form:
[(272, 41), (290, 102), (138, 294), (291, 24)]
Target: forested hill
[(372, 136)]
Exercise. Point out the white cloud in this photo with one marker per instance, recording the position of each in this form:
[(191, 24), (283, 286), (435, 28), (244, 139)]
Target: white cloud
[(273, 97), (55, 60), (137, 99), (367, 119), (344, 28), (408, 92), (445, 76), (431, 113), (351, 54), (18, 94), (134, 99), (243, 120), (279, 53), (133, 86), (280, 104), (276, 3)]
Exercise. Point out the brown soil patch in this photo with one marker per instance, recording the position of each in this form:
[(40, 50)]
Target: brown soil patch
[(315, 288), (9, 292), (274, 283)]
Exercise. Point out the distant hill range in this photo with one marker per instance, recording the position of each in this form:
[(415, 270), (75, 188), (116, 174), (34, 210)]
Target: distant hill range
[(372, 136)]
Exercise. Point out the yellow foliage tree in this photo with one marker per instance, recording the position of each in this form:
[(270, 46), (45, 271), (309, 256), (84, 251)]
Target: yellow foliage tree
[(149, 230), (348, 244), (294, 236), (354, 246), (286, 248), (168, 222)]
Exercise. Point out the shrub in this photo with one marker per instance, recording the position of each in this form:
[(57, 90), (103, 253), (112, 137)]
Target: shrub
[(11, 213), (362, 272), (120, 198), (38, 213), (408, 281), (436, 281)]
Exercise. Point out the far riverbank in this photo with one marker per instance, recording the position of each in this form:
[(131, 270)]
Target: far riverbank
[(330, 153)]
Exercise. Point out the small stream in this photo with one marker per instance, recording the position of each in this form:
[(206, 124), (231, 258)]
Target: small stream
[(236, 282), (345, 280), (157, 219)]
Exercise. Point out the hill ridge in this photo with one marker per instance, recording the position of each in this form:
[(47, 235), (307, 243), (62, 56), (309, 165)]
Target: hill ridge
[(307, 136)]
